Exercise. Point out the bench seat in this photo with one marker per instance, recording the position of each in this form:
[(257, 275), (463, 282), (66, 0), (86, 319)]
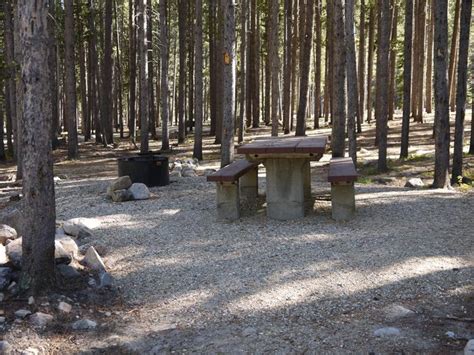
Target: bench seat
[(236, 180), (342, 175)]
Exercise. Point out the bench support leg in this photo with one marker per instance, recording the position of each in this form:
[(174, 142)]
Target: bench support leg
[(343, 201), (286, 188), (308, 199), (228, 201), (249, 188)]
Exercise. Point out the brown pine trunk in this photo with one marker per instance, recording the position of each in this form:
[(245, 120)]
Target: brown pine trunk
[(275, 65), (429, 61), (182, 12), (287, 67), (317, 64), (107, 65), (143, 76), (420, 62), (393, 61), (352, 89), (243, 68), (151, 88), (11, 80), (165, 144), (361, 72), (132, 72), (197, 152), (453, 55), (370, 61)]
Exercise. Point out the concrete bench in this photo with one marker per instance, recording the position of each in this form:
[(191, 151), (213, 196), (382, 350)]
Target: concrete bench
[(342, 174), (233, 182)]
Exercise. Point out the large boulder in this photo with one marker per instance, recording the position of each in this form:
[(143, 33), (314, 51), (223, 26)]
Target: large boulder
[(80, 227), (14, 252), (139, 191), (68, 244), (7, 233), (121, 195), (3, 255), (14, 219), (122, 183), (415, 183)]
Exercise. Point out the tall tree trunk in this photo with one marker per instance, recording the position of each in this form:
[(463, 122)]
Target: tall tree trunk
[(11, 80), (461, 91), (213, 71), (165, 145), (53, 65), (305, 55), (287, 67), (85, 128), (19, 96), (118, 31), (151, 71), (143, 76), (381, 106), (106, 114), (243, 71), (70, 83), (133, 71), (39, 215), (294, 61), (352, 89), (228, 61), (407, 64), (420, 64), (275, 62), (338, 79), (370, 61), (441, 173), (182, 16), (361, 72), (317, 69), (453, 55), (255, 67), (197, 152), (429, 62), (393, 61), (2, 122)]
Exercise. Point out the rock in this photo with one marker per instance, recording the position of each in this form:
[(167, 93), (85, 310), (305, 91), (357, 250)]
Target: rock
[(3, 255), (415, 183), (14, 219), (22, 313), (7, 233), (387, 332), (175, 174), (64, 307), (61, 256), (396, 311), (188, 172), (84, 324), (13, 288), (121, 195), (5, 347), (177, 166), (78, 226), (469, 348), (93, 260), (69, 245), (122, 183), (105, 280), (2, 321), (14, 252), (387, 180), (5, 277), (2, 297), (451, 335), (68, 271), (30, 351), (249, 331), (15, 197), (139, 191), (40, 319), (208, 172), (31, 300)]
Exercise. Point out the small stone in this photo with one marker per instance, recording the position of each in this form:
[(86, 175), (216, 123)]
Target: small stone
[(175, 174), (64, 307), (387, 332), (30, 351), (415, 183), (93, 260), (7, 233), (68, 271), (5, 277), (76, 226), (469, 348), (108, 314), (31, 300), (396, 311), (84, 324), (208, 172), (14, 252), (2, 320), (121, 196), (13, 288), (122, 183), (40, 319), (249, 331), (188, 172), (61, 256), (69, 245), (14, 219), (139, 191), (2, 296), (5, 347), (387, 180), (22, 313), (451, 335), (105, 280), (3, 255)]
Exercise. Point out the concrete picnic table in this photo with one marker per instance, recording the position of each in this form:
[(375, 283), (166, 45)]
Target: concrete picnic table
[(287, 162)]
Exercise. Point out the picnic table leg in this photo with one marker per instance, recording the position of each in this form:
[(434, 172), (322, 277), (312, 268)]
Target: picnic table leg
[(249, 188), (343, 201), (286, 188), (228, 200), (309, 202)]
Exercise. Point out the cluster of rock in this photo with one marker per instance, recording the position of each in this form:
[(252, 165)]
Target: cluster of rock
[(122, 189), (184, 168), (70, 257)]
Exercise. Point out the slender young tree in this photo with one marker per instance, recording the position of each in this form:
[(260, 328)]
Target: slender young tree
[(429, 62), (143, 76), (393, 61), (12, 120), (361, 71), (317, 69), (243, 68), (441, 173), (453, 54), (370, 61), (287, 67), (151, 71), (39, 215), (228, 61), (52, 66), (182, 16), (165, 143), (132, 62), (70, 80), (105, 110), (275, 64), (198, 102), (382, 78), (461, 92), (407, 55)]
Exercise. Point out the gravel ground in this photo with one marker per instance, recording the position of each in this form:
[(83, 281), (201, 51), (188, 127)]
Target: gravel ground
[(259, 285)]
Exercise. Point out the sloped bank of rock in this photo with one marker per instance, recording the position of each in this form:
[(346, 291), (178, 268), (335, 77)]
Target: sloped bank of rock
[(122, 189)]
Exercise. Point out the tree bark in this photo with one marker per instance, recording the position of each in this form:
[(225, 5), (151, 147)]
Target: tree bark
[(11, 80), (243, 68), (338, 80), (420, 62), (461, 91), (382, 82), (228, 61), (197, 152), (53, 67), (39, 215), (429, 62), (453, 55), (165, 143), (105, 112), (407, 64), (317, 69), (143, 76), (275, 63), (441, 173), (132, 72), (393, 61), (182, 12), (287, 67), (151, 71), (370, 61), (361, 71), (70, 81)]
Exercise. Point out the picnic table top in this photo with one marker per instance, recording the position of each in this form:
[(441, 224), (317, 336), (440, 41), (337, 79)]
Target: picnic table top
[(285, 145)]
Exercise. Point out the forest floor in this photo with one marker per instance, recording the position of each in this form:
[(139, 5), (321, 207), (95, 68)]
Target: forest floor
[(188, 283)]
